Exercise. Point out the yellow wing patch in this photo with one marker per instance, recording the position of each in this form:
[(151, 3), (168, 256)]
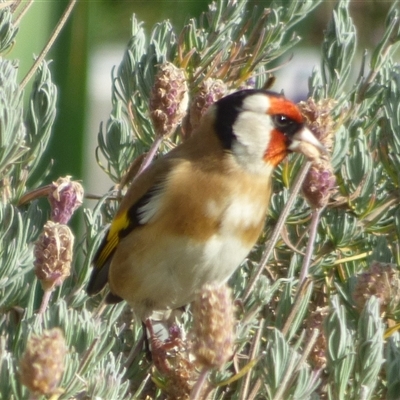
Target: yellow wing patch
[(119, 223)]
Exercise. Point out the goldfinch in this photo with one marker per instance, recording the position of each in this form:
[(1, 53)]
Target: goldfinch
[(194, 214)]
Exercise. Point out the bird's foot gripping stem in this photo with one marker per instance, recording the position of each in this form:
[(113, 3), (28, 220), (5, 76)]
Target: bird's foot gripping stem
[(162, 350)]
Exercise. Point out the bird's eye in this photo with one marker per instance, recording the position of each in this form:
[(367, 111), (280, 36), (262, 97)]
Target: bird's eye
[(282, 121), (285, 124)]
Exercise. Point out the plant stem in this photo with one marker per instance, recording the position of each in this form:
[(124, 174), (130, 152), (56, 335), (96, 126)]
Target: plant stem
[(316, 215), (307, 350), (24, 10), (49, 44), (275, 234), (253, 354), (45, 302), (196, 391), (284, 382), (151, 154), (296, 305)]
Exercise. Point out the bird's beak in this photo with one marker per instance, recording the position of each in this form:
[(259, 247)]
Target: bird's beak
[(302, 140)]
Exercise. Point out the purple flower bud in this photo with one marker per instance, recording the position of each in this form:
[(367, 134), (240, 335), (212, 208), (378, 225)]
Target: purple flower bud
[(169, 99), (209, 91), (319, 184), (64, 199)]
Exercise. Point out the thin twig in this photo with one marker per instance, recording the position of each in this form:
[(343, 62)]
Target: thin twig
[(24, 10), (288, 381), (255, 391), (307, 350), (151, 154), (49, 44), (295, 365), (315, 375), (284, 383), (316, 215), (197, 388), (275, 234), (253, 352), (14, 4), (34, 194), (84, 361), (296, 305), (45, 302)]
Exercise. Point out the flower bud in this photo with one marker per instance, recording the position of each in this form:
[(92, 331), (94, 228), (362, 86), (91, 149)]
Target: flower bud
[(169, 99), (318, 118), (209, 91), (382, 281), (179, 381), (65, 197), (53, 255), (42, 364), (213, 319), (320, 182)]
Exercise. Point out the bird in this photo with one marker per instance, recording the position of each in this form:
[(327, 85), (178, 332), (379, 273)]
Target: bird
[(193, 215)]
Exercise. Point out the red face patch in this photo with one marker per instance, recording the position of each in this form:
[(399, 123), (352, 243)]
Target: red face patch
[(279, 105), (277, 149)]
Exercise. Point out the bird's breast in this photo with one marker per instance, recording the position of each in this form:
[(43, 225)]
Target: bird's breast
[(242, 217), (198, 230)]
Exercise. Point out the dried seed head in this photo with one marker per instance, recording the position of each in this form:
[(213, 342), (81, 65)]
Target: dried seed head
[(42, 363), (315, 320), (209, 91), (382, 281), (172, 361), (213, 319), (53, 255), (320, 182), (179, 381), (65, 197), (169, 99), (318, 118)]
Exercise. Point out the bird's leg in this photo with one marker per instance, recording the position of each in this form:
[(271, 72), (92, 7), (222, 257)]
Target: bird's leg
[(159, 349), (174, 338), (156, 346)]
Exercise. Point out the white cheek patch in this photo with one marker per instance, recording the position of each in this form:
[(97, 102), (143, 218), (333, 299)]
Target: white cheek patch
[(253, 130), (253, 134)]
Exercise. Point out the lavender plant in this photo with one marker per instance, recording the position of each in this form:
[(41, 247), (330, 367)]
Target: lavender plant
[(316, 300)]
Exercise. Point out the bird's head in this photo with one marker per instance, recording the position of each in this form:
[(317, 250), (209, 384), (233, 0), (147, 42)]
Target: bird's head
[(260, 128)]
